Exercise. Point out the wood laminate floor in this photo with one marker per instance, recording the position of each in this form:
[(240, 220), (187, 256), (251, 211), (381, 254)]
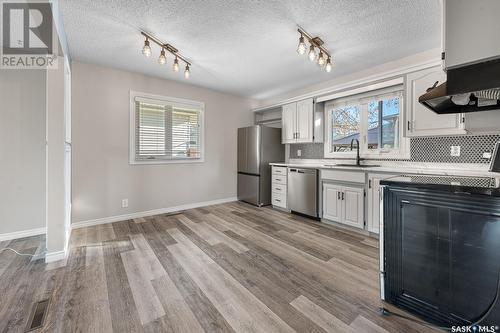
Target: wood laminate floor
[(224, 268)]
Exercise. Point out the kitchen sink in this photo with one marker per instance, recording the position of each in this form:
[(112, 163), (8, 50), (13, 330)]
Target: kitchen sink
[(353, 165)]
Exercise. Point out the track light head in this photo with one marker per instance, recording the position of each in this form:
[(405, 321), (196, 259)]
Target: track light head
[(301, 48), (162, 59), (187, 72), (328, 66), (321, 59), (175, 66), (312, 54), (146, 50)]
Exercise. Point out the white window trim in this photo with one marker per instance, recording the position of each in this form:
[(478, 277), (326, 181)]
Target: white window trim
[(169, 100), (403, 152)]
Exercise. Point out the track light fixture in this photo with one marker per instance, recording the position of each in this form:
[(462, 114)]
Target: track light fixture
[(312, 54), (146, 50), (301, 49), (175, 66), (162, 59), (328, 66), (323, 59)]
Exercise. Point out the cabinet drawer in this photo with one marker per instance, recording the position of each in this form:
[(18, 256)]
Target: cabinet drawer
[(279, 170), (278, 188), (278, 179), (278, 199)]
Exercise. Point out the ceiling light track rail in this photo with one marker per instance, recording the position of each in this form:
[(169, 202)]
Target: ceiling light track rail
[(323, 58), (166, 46), (316, 41), (146, 50)]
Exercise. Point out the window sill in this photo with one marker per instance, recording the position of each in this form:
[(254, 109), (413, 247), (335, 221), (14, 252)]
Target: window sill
[(179, 161)]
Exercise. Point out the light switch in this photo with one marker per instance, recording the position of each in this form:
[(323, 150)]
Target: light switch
[(455, 151), (299, 152), (124, 203)]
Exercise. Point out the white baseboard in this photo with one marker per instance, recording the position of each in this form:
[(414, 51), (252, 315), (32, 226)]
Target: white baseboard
[(22, 234), (117, 218), (55, 256)]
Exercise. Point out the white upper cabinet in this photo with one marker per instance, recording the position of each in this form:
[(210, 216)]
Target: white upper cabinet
[(420, 121), (305, 119), (289, 121), (470, 31), (298, 122)]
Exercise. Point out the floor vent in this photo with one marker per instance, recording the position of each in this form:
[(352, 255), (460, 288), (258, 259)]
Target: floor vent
[(174, 213), (37, 316)]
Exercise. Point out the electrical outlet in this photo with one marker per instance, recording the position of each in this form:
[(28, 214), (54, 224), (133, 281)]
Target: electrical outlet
[(299, 152), (455, 151), (124, 203), (487, 155)]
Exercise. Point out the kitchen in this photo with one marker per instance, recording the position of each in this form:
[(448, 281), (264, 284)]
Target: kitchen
[(423, 135), (250, 166)]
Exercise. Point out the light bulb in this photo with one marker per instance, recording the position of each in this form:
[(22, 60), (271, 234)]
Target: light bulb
[(187, 72), (321, 59), (312, 53), (175, 67), (162, 59), (301, 49), (146, 50), (328, 67)]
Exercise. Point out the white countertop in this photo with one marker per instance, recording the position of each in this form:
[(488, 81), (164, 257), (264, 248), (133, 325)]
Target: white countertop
[(402, 167)]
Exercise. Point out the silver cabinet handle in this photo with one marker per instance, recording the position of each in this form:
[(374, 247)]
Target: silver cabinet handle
[(338, 195), (342, 195), (278, 200), (277, 189)]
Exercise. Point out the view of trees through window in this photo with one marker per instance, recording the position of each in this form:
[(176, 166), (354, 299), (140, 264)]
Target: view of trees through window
[(382, 127), (385, 112), (346, 125)]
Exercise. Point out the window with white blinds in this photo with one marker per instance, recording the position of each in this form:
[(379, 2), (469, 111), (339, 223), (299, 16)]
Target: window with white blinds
[(166, 130)]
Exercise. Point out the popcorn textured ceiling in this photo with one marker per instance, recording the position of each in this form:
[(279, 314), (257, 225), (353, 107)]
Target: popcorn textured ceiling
[(247, 48)]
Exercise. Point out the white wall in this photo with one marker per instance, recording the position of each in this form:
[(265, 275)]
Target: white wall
[(419, 58), (102, 176), (22, 150), (56, 230)]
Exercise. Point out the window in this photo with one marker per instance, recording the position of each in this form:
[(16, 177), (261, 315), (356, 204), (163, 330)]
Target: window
[(346, 125), (165, 130), (373, 118)]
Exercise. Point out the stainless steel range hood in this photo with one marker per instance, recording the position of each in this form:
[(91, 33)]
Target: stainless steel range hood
[(469, 88)]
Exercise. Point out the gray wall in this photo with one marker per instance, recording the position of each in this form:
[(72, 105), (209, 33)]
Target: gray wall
[(22, 150), (102, 176)]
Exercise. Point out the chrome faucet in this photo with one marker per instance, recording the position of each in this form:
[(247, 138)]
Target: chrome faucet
[(357, 154)]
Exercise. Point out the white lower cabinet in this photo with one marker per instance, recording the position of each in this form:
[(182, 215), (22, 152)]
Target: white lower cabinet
[(344, 204), (373, 218), (332, 202), (279, 187)]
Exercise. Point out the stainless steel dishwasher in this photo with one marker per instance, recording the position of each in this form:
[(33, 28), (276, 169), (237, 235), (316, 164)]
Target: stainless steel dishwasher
[(303, 191)]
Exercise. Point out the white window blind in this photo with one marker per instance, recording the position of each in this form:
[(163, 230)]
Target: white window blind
[(166, 131)]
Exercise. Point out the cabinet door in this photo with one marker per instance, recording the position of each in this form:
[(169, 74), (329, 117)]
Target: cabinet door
[(353, 206), (420, 121), (332, 202), (305, 118), (373, 218), (289, 123)]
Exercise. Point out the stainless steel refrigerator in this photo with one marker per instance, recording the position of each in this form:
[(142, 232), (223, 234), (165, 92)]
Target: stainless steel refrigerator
[(257, 147)]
